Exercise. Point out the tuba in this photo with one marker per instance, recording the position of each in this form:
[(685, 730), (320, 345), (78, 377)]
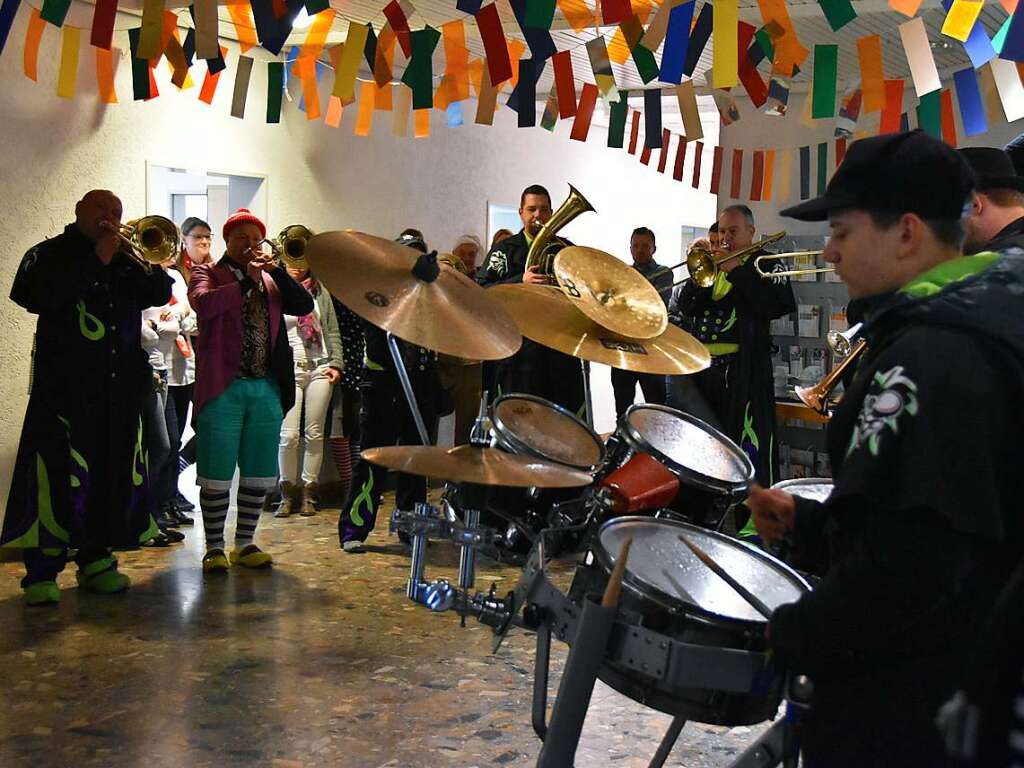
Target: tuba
[(291, 246), (540, 253), (148, 241)]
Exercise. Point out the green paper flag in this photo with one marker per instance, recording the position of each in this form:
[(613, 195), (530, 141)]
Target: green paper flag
[(539, 14), (826, 62), (275, 90), (646, 64), (419, 73), (617, 120), (822, 167), (54, 11), (929, 113), (838, 12)]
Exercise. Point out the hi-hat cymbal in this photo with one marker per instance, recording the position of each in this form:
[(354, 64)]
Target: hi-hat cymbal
[(610, 292), (373, 277), (483, 466), (549, 318)]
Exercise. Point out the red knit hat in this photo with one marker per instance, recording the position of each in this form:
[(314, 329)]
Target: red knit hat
[(243, 216)]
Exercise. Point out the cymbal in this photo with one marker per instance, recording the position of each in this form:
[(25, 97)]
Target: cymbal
[(483, 466), (546, 316), (373, 277), (610, 292)]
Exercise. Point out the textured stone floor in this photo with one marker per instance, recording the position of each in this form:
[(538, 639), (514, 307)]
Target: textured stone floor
[(320, 661)]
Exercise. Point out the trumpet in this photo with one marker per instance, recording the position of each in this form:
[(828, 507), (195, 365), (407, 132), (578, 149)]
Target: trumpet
[(790, 272), (539, 254), (149, 241)]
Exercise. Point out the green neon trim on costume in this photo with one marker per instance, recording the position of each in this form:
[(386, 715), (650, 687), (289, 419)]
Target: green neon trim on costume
[(717, 349), (748, 428), (138, 453), (364, 495), (99, 566), (150, 532), (721, 287), (730, 322), (938, 277), (45, 504), (98, 330)]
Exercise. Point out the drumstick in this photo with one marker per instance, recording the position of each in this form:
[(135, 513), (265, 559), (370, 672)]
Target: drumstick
[(742, 591), (611, 592)]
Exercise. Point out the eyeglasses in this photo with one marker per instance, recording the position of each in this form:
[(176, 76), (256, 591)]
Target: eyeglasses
[(201, 237)]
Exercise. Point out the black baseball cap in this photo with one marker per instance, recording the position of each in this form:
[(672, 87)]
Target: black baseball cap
[(910, 172), (1015, 149), (993, 168)]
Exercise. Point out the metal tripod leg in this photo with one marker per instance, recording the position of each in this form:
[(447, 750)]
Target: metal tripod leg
[(766, 752), (403, 378), (588, 403), (467, 558), (669, 741), (419, 557)]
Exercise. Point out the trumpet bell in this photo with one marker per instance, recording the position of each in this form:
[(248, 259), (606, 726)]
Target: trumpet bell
[(292, 244), (150, 240)]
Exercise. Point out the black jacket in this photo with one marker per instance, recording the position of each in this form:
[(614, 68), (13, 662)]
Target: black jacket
[(506, 261), (1010, 236)]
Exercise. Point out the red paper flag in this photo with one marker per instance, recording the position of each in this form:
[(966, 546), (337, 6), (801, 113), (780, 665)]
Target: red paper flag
[(634, 132), (565, 84), (698, 154), (737, 173), (498, 64), (666, 138), (645, 155), (103, 24), (891, 113), (948, 122), (400, 24), (615, 11), (757, 177), (716, 170), (210, 82), (585, 112), (677, 172), (752, 82), (840, 151)]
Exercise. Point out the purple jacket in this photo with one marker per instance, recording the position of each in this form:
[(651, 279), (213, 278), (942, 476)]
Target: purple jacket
[(216, 296)]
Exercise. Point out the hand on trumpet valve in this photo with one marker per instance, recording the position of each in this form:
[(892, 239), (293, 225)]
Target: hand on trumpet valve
[(261, 262), (774, 512), (534, 276)]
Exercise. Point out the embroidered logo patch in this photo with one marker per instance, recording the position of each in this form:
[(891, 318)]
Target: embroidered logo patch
[(891, 395), (498, 263)]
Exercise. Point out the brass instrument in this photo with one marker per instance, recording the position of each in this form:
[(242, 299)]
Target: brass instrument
[(817, 397), (704, 267), (538, 255), (791, 272), (149, 240), (290, 246), (842, 343)]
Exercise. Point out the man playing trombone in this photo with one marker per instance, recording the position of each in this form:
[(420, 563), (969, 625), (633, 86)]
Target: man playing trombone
[(81, 479)]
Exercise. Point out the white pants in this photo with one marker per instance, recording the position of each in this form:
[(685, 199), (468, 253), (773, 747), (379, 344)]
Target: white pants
[(312, 396)]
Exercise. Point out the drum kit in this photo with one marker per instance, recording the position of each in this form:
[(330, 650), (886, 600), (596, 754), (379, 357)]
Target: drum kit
[(536, 482)]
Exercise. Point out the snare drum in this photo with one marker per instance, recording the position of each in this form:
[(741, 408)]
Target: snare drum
[(668, 590), (813, 488)]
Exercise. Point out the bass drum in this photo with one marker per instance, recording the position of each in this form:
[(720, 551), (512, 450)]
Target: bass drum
[(668, 590)]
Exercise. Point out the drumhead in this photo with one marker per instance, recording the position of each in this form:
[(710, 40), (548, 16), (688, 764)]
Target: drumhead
[(814, 488), (525, 424), (657, 558), (701, 454)]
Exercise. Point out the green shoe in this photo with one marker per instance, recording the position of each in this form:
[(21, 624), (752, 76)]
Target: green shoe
[(103, 577), (42, 593)]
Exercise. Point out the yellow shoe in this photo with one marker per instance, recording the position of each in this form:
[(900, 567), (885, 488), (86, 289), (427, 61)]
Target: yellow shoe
[(215, 561), (250, 556)]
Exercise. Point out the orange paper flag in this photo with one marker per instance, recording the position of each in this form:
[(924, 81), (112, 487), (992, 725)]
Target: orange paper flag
[(245, 25), (310, 93), (455, 83), (872, 79), (383, 98), (364, 118), (317, 35), (789, 52), (908, 8), (769, 170), (33, 35), (422, 123), (577, 13), (105, 76), (334, 112)]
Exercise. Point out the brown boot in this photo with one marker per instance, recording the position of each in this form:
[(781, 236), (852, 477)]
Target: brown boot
[(290, 499), (310, 496)]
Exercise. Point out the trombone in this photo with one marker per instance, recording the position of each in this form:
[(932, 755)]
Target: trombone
[(843, 344), (704, 267), (790, 272), (149, 241)]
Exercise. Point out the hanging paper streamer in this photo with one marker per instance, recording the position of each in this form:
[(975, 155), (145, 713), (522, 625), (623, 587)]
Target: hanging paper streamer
[(348, 65), (310, 92), (785, 174), (929, 114), (419, 73), (212, 78), (152, 29), (645, 156), (495, 45), (615, 11), (275, 90), (471, 7), (947, 119), (400, 114), (961, 18), (838, 12), (724, 63), (698, 38), (716, 169), (55, 11), (421, 123), (757, 176), (204, 13), (34, 33), (666, 140), (677, 42), (141, 87), (487, 99), (698, 155), (383, 98), (242, 75), (634, 132), (516, 49), (454, 114), (727, 109), (686, 95), (565, 84), (826, 62), (549, 119), (748, 74), (105, 76), (737, 173), (778, 95), (455, 83), (822, 167), (990, 95), (617, 121), (769, 169), (364, 117), (539, 14), (848, 114), (919, 56), (789, 52), (890, 120), (677, 170), (655, 33), (652, 118), (805, 172), (245, 25), (840, 151), (979, 47), (177, 61), (102, 34), (273, 29), (1012, 48), (584, 113), (602, 67), (334, 112), (577, 13), (539, 40), (70, 43), (395, 13), (872, 79), (906, 7), (526, 92), (632, 30), (383, 56), (1011, 92), (313, 45)]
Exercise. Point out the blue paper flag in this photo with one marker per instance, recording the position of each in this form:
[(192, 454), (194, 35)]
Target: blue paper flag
[(454, 113), (1012, 48), (978, 46), (677, 43), (972, 111), (469, 6), (7, 13)]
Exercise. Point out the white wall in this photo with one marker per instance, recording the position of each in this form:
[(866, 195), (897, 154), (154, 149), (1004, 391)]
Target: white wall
[(55, 150)]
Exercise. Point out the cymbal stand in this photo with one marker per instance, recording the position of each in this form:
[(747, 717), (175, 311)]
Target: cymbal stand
[(588, 403), (410, 396)]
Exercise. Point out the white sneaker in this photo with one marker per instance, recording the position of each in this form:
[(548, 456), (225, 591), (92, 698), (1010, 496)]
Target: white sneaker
[(353, 546)]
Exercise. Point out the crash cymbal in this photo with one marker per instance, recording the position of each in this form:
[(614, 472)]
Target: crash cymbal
[(483, 466), (373, 277), (545, 315), (610, 292)]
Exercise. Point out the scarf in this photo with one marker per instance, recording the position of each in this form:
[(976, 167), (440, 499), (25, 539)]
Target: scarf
[(309, 325)]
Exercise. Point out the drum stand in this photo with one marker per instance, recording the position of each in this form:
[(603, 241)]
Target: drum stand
[(588, 403)]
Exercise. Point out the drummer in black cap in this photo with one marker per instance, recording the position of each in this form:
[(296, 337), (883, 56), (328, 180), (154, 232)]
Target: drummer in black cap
[(923, 526), (996, 220)]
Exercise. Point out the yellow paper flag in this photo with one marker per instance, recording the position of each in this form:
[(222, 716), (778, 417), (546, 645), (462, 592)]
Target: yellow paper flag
[(364, 118), (785, 160), (961, 19), (400, 113), (725, 48), (152, 29), (348, 65), (69, 45)]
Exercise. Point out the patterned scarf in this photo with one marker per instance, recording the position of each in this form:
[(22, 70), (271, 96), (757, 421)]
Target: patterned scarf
[(309, 325)]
